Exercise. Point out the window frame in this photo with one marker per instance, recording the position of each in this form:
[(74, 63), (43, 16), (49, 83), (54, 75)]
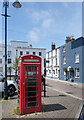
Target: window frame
[(0, 61), (9, 53), (8, 60), (64, 59), (64, 49), (27, 52), (1, 68), (77, 59), (77, 73), (34, 53), (20, 52), (40, 54)]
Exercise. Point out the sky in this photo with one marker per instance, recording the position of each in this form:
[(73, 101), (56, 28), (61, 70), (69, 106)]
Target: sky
[(41, 23)]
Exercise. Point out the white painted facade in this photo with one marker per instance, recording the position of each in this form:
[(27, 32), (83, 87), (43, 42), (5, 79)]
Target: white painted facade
[(53, 67), (14, 50)]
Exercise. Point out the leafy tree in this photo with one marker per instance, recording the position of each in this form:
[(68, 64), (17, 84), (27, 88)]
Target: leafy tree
[(15, 66)]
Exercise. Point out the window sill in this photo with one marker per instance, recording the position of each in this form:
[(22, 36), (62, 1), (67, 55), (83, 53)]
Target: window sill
[(64, 51), (77, 77), (76, 62)]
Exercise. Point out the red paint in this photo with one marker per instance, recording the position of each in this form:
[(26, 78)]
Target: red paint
[(29, 84)]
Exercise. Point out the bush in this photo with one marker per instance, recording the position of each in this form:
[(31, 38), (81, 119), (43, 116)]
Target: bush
[(71, 70), (65, 69)]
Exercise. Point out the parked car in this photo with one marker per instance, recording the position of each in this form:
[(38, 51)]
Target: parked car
[(11, 86), (1, 76)]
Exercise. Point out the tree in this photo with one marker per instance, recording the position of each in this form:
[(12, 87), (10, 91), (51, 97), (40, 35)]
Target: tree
[(15, 66)]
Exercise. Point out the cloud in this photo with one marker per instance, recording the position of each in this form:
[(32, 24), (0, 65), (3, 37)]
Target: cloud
[(38, 16), (65, 4), (33, 35), (47, 23)]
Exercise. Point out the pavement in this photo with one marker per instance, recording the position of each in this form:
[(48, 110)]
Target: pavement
[(56, 105)]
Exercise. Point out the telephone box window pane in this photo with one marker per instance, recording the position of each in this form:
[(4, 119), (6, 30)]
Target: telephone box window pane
[(31, 73), (31, 99), (32, 89), (26, 89), (31, 94), (31, 83), (31, 78), (26, 79), (25, 71), (31, 68), (32, 104), (37, 70)]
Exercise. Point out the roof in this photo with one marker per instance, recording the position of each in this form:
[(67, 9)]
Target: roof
[(18, 41), (30, 48)]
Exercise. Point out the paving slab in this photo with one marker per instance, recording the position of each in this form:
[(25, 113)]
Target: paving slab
[(56, 105)]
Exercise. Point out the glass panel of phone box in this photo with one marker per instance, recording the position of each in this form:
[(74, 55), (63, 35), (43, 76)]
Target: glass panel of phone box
[(18, 84), (31, 86)]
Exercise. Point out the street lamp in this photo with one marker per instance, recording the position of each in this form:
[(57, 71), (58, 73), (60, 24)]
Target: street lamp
[(16, 4)]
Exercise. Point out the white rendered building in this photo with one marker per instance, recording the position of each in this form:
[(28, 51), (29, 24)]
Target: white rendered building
[(17, 48), (53, 66)]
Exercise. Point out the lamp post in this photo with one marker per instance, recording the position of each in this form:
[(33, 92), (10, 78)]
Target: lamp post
[(16, 4)]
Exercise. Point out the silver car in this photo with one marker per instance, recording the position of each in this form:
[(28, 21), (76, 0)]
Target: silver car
[(11, 86)]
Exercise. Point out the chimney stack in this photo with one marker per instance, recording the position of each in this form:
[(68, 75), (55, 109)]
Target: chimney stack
[(69, 38), (53, 46)]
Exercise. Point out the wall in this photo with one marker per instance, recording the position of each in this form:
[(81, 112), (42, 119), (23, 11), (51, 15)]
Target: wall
[(83, 64), (51, 67), (70, 59), (13, 55)]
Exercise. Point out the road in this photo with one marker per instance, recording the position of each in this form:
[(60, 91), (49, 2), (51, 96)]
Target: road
[(68, 88)]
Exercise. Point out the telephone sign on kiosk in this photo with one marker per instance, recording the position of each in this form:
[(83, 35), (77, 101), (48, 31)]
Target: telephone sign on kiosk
[(29, 84)]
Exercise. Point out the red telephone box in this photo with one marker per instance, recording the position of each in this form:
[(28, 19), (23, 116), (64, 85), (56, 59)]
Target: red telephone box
[(29, 84)]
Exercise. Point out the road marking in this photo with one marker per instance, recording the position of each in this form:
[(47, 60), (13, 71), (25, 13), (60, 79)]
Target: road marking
[(65, 93), (78, 112)]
